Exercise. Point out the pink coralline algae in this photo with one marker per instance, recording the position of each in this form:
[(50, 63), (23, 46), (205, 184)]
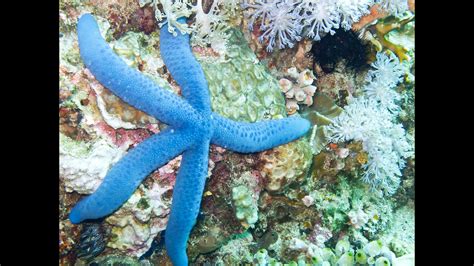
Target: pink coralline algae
[(123, 136)]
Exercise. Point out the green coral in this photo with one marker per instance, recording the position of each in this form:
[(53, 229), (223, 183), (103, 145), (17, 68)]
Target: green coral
[(400, 232), (246, 208), (73, 147), (241, 87)]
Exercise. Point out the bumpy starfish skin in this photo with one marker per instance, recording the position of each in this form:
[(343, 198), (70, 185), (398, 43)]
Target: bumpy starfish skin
[(192, 127)]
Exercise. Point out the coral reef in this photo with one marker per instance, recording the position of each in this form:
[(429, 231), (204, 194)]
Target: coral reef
[(209, 24), (393, 33), (141, 218), (303, 203), (284, 22), (124, 177)]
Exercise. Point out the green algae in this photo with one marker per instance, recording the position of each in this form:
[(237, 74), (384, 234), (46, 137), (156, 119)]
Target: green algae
[(73, 147)]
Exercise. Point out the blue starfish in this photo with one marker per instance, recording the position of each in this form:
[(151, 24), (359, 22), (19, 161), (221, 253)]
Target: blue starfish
[(192, 127)]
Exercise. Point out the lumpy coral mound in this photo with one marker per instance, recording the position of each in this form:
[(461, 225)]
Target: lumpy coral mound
[(286, 165)]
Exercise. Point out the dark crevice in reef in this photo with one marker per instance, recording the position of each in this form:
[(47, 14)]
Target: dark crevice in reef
[(343, 45)]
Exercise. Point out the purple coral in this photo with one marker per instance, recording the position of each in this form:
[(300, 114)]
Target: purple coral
[(287, 21), (321, 16), (278, 21), (282, 26)]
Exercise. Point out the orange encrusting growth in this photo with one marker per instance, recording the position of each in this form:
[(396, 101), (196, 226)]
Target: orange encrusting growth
[(376, 12)]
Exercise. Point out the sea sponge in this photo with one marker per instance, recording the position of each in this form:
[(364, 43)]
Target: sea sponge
[(382, 261), (373, 248), (360, 257), (347, 259), (286, 164)]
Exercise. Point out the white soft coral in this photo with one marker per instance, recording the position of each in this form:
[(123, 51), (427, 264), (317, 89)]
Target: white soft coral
[(372, 120), (352, 10), (387, 70), (387, 73), (210, 28), (394, 7), (261, 10), (278, 21), (172, 10)]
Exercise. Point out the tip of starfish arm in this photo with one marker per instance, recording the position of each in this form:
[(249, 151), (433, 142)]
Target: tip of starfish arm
[(301, 125), (74, 216), (87, 17)]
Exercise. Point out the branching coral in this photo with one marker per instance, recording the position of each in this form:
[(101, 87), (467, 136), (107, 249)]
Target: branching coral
[(171, 11), (380, 33), (394, 7), (210, 28)]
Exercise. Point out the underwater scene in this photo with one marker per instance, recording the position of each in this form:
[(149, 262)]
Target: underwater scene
[(237, 132)]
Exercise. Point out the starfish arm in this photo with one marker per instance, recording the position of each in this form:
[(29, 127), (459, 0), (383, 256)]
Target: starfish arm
[(254, 137), (127, 174), (187, 195), (129, 84), (183, 66)]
